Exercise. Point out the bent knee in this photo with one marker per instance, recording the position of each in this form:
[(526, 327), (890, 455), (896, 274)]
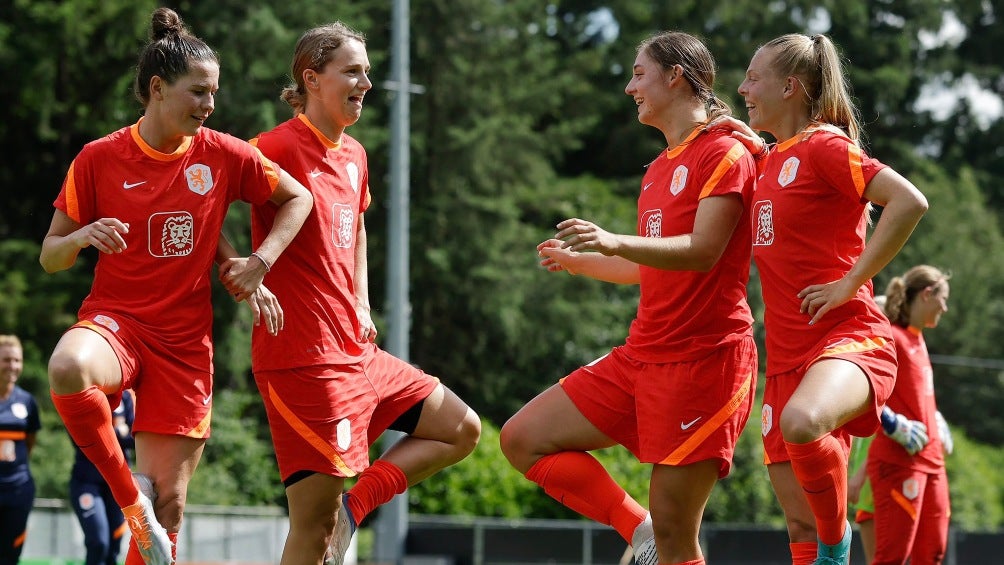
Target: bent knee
[(68, 372), (802, 424), (469, 434)]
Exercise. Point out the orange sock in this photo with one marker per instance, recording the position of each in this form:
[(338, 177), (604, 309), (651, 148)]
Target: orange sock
[(802, 552), (577, 480), (132, 554), (174, 545), (694, 562), (88, 419), (821, 469), (375, 486)]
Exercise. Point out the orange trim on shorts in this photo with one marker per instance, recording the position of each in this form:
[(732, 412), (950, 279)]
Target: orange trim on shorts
[(308, 434), (898, 498), (13, 435), (202, 428), (119, 531), (868, 344), (710, 426), (723, 167)]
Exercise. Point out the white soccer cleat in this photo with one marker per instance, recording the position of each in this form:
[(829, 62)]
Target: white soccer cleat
[(345, 526), (643, 543), (151, 538)]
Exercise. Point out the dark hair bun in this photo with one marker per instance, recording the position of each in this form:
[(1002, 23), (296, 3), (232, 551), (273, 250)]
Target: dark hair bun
[(166, 22)]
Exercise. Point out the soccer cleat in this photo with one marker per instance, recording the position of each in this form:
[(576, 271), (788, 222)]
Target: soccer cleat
[(837, 554), (151, 538), (145, 486), (643, 543), (345, 526)]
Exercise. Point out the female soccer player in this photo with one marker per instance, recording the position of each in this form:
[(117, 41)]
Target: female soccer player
[(910, 489), (151, 197), (329, 391), (679, 391), (19, 425), (831, 363)]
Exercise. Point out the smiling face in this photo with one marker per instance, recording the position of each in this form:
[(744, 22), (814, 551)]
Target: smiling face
[(182, 107), (649, 89), (338, 88), (763, 91), (11, 365)]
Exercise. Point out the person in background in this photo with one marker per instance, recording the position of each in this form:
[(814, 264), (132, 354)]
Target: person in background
[(831, 362), (328, 389), (910, 487), (100, 517), (679, 391), (151, 198), (19, 425)]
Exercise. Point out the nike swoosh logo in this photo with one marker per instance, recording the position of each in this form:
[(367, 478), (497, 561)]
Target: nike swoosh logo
[(644, 188), (127, 185), (315, 174), (205, 401), (690, 423)]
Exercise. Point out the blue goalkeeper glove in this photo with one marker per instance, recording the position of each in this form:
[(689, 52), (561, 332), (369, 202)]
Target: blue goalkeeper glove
[(911, 434), (945, 433)]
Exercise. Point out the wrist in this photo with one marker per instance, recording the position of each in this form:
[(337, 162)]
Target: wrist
[(888, 420), (266, 264)]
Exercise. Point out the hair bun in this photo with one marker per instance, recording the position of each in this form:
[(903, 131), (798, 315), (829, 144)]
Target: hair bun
[(166, 22)]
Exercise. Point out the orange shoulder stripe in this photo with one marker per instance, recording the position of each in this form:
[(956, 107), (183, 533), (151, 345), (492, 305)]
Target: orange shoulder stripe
[(72, 204), (857, 173), (724, 165)]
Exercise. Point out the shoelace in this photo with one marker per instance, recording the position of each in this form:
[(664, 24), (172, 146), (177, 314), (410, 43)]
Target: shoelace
[(141, 530)]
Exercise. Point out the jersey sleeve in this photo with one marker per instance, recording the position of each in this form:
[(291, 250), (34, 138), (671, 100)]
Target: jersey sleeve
[(76, 197), (257, 175), (844, 166), (733, 168), (34, 423)]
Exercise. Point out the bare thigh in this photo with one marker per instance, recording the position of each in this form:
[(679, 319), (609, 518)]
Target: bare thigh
[(548, 424)]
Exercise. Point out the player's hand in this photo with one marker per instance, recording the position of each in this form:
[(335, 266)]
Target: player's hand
[(241, 277), (911, 434), (818, 299), (739, 130), (554, 257), (945, 433), (581, 235), (367, 329), (265, 306), (104, 234)]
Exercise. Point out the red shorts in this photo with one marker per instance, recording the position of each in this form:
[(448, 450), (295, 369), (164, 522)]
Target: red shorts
[(877, 358), (911, 514), (670, 413), (174, 376), (325, 417)]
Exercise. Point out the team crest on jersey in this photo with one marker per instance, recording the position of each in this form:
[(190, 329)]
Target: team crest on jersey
[(19, 410), (86, 501), (341, 225), (789, 170), (171, 234), (107, 322), (353, 171), (651, 223), (343, 434), (911, 488), (200, 178), (763, 213), (679, 181), (766, 419)]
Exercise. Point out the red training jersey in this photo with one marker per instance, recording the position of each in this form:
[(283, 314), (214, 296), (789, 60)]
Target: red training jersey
[(684, 314), (315, 280), (913, 397), (175, 205), (810, 223)]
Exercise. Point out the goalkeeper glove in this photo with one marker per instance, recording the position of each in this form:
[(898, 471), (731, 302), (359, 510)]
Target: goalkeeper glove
[(911, 434), (945, 433)]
